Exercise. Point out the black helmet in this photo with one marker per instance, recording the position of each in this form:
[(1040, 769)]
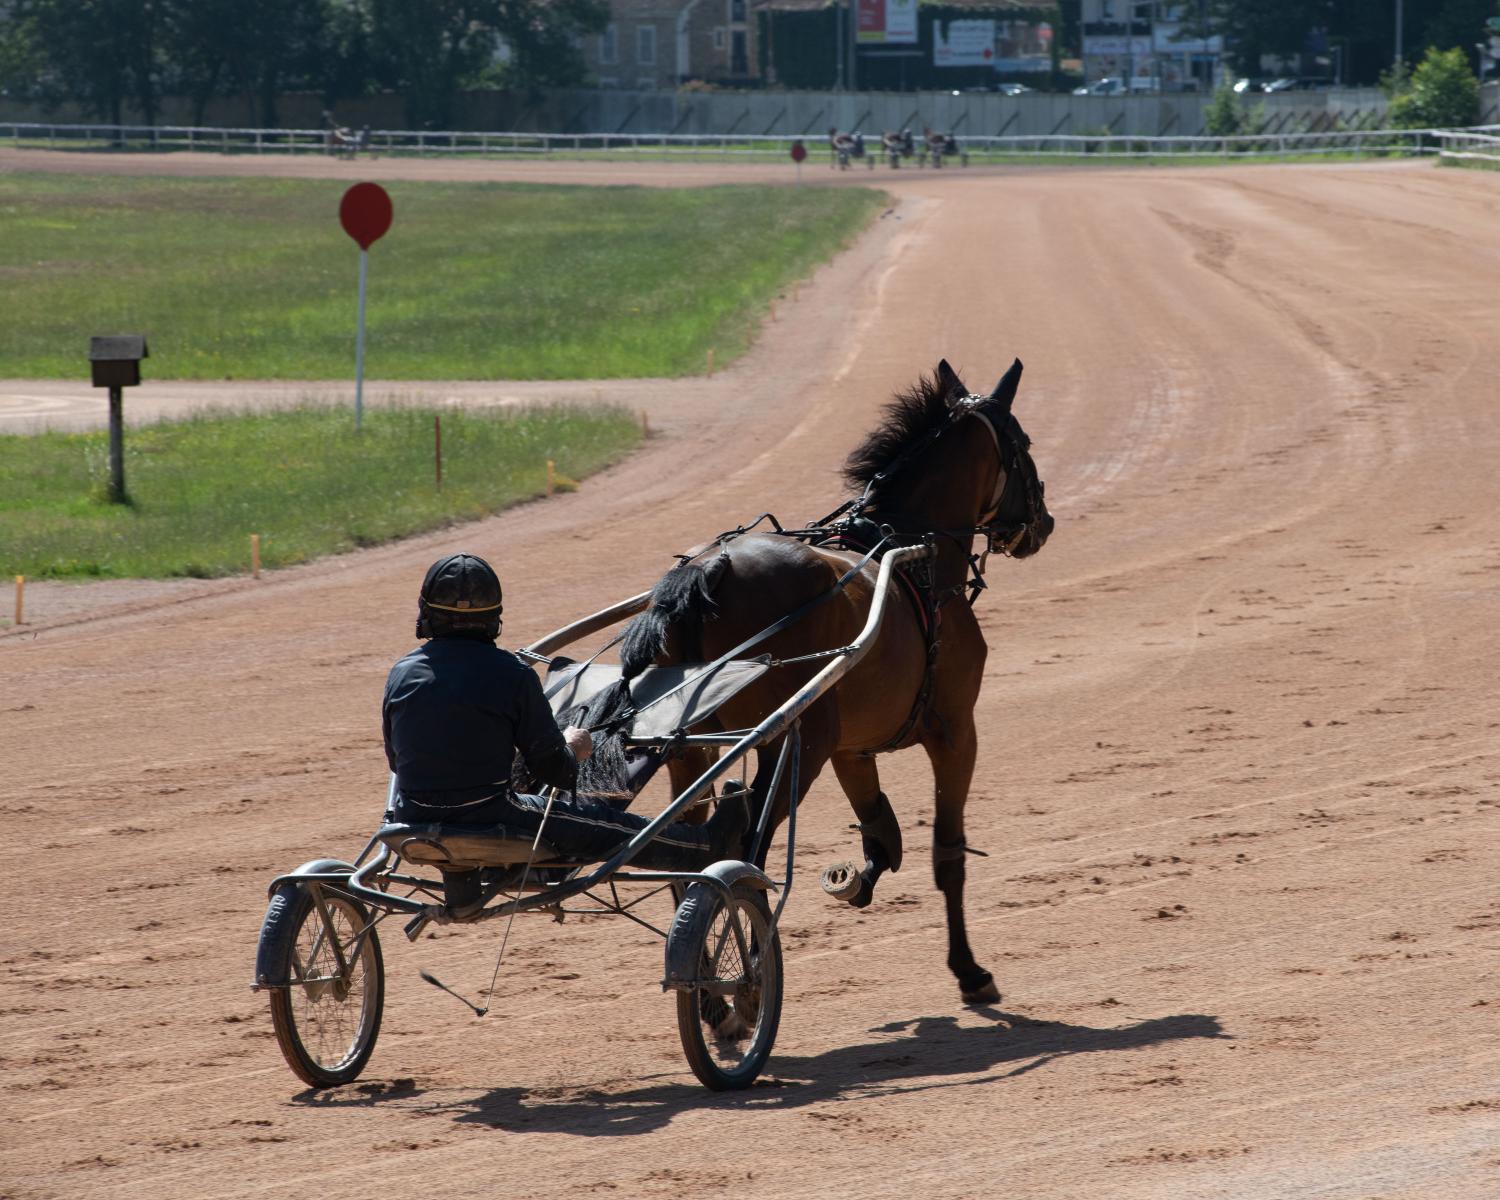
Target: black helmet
[(460, 598)]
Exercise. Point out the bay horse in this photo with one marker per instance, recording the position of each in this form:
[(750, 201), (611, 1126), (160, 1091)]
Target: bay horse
[(944, 466)]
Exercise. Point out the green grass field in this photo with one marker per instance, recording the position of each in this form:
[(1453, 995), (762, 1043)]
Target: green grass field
[(300, 478), (254, 279)]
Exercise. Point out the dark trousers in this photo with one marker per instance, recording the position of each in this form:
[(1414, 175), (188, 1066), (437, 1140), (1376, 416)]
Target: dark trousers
[(576, 828)]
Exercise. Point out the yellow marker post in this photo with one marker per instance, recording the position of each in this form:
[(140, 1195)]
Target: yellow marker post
[(20, 599), (710, 362), (255, 555), (551, 477)]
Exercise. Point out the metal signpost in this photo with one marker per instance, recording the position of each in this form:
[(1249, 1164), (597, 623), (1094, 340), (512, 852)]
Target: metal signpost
[(365, 213), (116, 364)]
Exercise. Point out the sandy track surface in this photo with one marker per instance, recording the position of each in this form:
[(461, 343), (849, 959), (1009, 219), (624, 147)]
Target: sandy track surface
[(1239, 771)]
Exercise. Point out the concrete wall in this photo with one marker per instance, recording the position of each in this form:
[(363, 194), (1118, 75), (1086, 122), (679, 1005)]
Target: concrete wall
[(972, 114), (810, 113)]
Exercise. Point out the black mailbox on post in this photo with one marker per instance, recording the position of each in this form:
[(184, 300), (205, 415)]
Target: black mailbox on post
[(116, 361)]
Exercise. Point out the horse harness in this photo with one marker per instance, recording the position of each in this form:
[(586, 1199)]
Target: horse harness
[(849, 528)]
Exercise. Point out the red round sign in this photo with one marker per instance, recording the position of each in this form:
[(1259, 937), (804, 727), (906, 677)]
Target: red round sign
[(365, 213), (799, 152)]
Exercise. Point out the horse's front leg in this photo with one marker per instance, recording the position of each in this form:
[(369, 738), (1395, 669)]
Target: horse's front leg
[(953, 769), (879, 831), (686, 765)]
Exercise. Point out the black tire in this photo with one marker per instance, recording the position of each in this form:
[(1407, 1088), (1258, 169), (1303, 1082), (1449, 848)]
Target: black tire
[(727, 1038), (325, 1025)]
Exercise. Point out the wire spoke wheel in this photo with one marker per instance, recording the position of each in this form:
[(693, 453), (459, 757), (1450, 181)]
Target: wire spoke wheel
[(328, 1015), (728, 1021)]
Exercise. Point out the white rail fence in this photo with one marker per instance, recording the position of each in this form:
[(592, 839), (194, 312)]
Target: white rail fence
[(1476, 145), (1480, 143)]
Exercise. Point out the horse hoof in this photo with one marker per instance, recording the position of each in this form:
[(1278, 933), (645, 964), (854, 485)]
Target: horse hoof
[(984, 993), (732, 1028), (842, 881)]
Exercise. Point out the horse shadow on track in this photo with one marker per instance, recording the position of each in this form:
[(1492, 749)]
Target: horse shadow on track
[(924, 1054)]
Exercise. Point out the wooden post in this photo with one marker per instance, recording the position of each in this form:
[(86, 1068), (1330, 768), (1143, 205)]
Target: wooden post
[(645, 424), (116, 446), (710, 362), (255, 555), (551, 477), (437, 448), (20, 599)]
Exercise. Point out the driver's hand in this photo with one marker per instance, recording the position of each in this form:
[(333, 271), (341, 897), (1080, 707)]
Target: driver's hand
[(579, 742)]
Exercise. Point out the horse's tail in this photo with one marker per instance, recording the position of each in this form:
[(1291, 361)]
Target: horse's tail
[(680, 602)]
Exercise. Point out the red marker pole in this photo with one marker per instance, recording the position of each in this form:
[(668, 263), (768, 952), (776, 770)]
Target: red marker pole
[(365, 214), (799, 152)]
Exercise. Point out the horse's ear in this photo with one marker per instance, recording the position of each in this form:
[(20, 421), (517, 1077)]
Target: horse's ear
[(1005, 390), (952, 386)]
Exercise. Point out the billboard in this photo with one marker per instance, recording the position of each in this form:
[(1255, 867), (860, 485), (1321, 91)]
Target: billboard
[(963, 43), (888, 22), (1096, 46)]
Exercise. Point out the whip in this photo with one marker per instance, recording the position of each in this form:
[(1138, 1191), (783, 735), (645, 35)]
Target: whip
[(429, 977), (438, 983)]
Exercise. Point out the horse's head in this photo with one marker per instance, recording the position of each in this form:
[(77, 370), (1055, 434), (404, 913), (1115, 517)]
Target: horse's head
[(1014, 515), (928, 466)]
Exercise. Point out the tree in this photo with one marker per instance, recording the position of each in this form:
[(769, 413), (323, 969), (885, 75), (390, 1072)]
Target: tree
[(543, 37), (1442, 93), (1067, 38), (1459, 23), (1253, 28), (1223, 117), (1364, 32), (101, 53), (254, 50), (21, 60), (438, 47), (434, 47)]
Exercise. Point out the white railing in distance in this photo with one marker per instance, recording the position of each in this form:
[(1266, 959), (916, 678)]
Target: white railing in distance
[(740, 147)]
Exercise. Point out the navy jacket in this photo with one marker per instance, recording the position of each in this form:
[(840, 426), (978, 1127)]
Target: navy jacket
[(456, 712)]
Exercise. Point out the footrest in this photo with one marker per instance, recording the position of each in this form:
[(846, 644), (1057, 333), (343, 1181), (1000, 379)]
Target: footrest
[(464, 847)]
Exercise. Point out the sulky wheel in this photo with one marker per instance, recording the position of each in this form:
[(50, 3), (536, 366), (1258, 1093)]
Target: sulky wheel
[(728, 1020), (327, 1015)]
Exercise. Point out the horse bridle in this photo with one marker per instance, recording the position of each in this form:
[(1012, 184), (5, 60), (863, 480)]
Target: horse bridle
[(1011, 453), (1013, 459)]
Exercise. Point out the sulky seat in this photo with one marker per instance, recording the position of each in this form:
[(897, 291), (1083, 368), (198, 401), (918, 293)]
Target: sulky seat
[(465, 847)]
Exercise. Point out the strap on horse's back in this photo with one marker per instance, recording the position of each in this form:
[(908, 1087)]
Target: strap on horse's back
[(860, 534)]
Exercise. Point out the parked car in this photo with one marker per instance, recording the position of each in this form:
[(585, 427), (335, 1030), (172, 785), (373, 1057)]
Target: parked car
[(1244, 85), (1303, 83), (1012, 89), (1111, 85)]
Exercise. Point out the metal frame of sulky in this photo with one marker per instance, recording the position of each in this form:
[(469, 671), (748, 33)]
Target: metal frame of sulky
[(783, 721)]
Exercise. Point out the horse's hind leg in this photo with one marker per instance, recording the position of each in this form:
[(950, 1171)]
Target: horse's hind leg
[(880, 832), (953, 768)]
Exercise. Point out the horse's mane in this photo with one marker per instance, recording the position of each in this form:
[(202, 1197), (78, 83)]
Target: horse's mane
[(910, 416)]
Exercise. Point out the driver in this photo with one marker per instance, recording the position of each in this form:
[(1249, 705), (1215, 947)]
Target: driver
[(458, 709)]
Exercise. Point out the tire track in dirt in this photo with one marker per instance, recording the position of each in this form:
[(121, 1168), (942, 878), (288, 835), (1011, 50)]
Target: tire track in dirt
[(1217, 470)]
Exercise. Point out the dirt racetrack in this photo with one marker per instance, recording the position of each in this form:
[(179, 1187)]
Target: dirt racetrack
[(1239, 774)]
